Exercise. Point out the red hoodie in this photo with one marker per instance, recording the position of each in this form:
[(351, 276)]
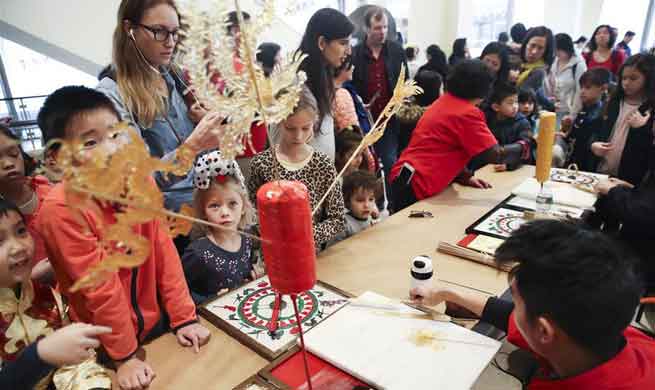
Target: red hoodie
[(129, 301), (633, 368)]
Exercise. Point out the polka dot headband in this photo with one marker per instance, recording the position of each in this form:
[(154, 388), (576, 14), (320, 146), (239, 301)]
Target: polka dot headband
[(212, 165)]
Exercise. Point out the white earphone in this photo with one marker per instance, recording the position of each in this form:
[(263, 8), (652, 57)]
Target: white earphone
[(132, 35)]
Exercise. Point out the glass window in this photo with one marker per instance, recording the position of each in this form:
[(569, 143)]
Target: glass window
[(489, 20), (614, 13), (530, 13), (32, 74)]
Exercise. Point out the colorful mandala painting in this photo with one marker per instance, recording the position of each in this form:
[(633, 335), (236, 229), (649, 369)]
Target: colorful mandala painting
[(576, 177), (501, 223), (259, 318)]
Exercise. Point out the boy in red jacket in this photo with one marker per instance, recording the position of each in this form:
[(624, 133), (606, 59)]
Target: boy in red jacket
[(138, 304), (575, 293)]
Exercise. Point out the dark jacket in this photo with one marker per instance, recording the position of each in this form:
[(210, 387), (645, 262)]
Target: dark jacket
[(363, 115), (588, 121), (634, 160), (394, 60), (634, 210), (24, 372), (509, 131)]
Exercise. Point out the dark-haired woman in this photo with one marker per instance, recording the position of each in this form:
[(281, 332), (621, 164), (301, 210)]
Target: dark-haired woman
[(326, 43), (268, 55), (437, 61), (495, 56), (460, 52), (537, 53), (601, 50), (562, 81)]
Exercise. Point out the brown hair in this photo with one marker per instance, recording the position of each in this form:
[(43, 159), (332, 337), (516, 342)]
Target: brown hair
[(134, 77), (200, 200), (374, 12)]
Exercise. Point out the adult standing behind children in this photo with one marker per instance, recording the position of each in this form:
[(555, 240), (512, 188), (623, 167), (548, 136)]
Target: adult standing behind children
[(146, 87), (537, 53), (437, 61), (460, 52), (601, 50), (563, 78), (378, 63), (625, 43), (451, 135)]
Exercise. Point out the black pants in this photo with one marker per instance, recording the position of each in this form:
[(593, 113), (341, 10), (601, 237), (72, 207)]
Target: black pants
[(402, 194)]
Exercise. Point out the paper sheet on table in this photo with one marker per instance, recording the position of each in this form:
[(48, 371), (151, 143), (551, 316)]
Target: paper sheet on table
[(379, 349), (563, 193)]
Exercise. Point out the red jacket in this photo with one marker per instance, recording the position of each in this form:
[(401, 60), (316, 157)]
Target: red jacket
[(129, 301)]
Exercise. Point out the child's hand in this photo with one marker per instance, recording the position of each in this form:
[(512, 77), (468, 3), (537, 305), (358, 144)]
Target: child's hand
[(601, 149), (429, 296), (636, 120), (194, 335), (134, 374), (500, 167), (71, 344)]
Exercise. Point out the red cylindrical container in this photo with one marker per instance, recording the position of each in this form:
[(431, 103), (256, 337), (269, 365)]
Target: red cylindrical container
[(285, 219)]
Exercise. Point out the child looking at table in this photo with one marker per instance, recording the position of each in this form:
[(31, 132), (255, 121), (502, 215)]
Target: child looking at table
[(221, 258), (138, 304), (451, 135), (507, 125), (575, 293)]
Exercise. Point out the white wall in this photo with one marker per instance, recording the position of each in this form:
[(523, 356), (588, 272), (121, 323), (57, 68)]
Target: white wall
[(433, 21)]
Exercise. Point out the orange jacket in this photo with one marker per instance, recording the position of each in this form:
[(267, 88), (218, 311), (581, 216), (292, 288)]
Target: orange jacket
[(128, 301)]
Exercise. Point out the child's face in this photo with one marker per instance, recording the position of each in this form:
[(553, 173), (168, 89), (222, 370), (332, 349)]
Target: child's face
[(356, 163), (96, 131), (12, 166), (16, 250), (633, 82), (526, 108), (508, 108), (591, 94), (298, 129), (493, 62), (224, 205), (537, 333), (362, 203)]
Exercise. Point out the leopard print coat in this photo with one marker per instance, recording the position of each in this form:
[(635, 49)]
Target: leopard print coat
[(317, 175)]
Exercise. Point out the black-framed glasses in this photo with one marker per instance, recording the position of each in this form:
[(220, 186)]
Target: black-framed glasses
[(161, 34)]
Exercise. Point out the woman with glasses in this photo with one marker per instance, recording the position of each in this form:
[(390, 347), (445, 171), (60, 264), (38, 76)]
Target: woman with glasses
[(147, 88)]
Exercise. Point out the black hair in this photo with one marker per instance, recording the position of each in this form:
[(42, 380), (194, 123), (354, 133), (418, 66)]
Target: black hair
[(431, 83), (356, 180), (541, 31), (332, 25), (7, 206), (64, 104), (501, 51), (580, 279), (233, 19), (529, 95), (593, 46), (346, 140), (437, 61), (503, 37), (596, 76), (266, 53), (30, 164), (458, 50), (470, 79), (501, 92), (410, 53), (373, 12), (629, 33), (581, 39), (347, 64), (564, 42), (517, 32), (645, 64)]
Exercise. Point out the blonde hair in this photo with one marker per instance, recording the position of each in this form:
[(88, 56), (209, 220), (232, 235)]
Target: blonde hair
[(200, 200), (134, 76)]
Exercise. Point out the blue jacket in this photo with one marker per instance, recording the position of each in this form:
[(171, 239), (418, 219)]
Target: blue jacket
[(587, 121), (511, 131)]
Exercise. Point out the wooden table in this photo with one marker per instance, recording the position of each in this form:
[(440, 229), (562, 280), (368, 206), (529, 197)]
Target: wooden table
[(376, 259)]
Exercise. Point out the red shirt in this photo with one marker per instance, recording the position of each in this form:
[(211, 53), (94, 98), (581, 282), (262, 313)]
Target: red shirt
[(613, 63), (448, 135), (128, 299), (378, 83), (41, 186), (631, 369)]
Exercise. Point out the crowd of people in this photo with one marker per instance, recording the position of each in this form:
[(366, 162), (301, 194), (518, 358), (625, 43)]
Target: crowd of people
[(473, 112)]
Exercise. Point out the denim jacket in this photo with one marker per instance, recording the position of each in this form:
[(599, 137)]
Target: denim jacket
[(163, 137)]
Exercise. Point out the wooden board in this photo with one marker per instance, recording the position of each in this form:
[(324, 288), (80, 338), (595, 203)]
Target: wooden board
[(245, 314), (379, 348)]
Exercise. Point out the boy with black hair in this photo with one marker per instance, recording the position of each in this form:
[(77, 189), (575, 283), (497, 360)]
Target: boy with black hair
[(451, 135), (593, 88), (508, 125), (138, 304), (359, 189), (575, 293), (625, 43)]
